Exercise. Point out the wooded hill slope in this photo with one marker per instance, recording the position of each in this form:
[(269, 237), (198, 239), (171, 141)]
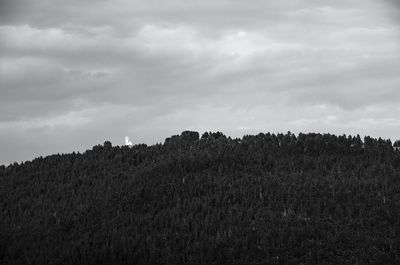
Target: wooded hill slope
[(264, 199)]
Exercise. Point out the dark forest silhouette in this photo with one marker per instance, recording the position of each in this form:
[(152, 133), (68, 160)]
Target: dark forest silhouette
[(263, 199)]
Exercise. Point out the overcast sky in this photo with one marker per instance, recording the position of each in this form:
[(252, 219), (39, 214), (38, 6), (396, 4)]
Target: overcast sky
[(74, 74)]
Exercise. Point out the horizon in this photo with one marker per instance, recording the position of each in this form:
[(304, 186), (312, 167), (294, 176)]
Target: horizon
[(133, 144)]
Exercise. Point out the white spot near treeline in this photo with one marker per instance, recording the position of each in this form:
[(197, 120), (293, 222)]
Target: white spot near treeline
[(127, 141)]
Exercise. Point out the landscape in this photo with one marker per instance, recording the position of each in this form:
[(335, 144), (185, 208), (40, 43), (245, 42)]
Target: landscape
[(188, 132), (210, 199)]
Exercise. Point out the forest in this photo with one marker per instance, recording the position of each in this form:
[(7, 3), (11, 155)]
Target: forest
[(211, 199)]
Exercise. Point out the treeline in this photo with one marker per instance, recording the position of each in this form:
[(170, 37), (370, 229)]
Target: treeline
[(263, 199)]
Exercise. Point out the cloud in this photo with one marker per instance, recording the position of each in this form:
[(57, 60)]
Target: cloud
[(154, 68)]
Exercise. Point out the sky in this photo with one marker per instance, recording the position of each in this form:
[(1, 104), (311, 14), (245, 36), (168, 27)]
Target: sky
[(74, 74)]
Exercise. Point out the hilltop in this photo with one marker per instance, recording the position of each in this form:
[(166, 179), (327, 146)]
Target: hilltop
[(262, 199)]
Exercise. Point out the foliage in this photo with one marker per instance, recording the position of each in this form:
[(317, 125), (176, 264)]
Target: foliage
[(264, 199)]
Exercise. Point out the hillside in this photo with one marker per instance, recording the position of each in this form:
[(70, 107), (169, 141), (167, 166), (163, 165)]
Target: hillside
[(263, 199)]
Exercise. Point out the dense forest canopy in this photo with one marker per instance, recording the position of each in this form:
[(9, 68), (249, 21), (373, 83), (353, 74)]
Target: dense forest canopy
[(262, 199)]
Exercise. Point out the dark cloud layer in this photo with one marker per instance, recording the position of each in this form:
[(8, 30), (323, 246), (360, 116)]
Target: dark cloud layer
[(92, 71)]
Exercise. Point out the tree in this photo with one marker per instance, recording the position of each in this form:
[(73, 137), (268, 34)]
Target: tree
[(396, 145)]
